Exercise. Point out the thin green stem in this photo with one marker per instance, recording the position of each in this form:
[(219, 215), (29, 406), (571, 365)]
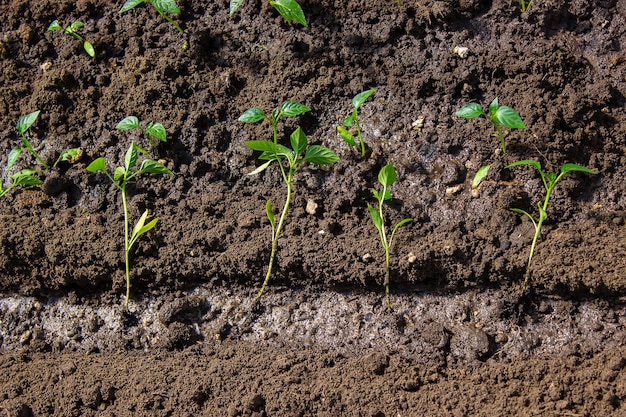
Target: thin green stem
[(170, 20), (126, 245), (501, 136), (358, 130), (386, 245)]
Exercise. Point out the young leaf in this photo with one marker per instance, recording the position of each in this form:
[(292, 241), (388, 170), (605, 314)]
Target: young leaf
[(153, 167), (26, 121), (13, 157), (360, 98), (26, 177), (290, 10), (320, 155), (262, 145), (400, 223), (130, 4), (98, 165), (76, 25), (293, 108), (261, 168), (89, 49), (270, 213), (252, 115), (349, 121), (481, 174), (493, 106), (235, 5), (130, 159), (54, 25), (168, 6), (376, 219), (508, 117), (298, 141), (525, 162), (127, 123), (573, 167), (470, 111), (346, 136), (140, 228), (71, 155), (387, 175), (158, 131), (119, 174)]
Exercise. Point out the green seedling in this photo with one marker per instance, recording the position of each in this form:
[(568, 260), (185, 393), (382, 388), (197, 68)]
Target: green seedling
[(155, 132), (290, 10), (163, 7), (499, 116), (481, 174), (24, 177), (289, 161), (71, 30), (23, 124), (120, 178), (549, 182), (353, 120), (526, 5), (386, 176)]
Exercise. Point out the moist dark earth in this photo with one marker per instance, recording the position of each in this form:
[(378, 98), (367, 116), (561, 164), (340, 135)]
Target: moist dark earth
[(462, 335)]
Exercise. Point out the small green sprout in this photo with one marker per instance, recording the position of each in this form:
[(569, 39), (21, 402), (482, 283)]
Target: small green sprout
[(353, 120), (71, 30), (161, 6), (481, 174), (120, 178), (23, 124), (526, 5), (24, 177), (155, 132), (386, 176), (549, 182), (498, 116), (289, 162), (290, 10)]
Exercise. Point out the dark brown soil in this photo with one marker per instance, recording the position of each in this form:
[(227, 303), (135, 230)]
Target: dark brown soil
[(460, 338)]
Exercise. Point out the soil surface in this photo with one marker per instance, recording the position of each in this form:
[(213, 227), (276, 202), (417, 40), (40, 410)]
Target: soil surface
[(462, 337)]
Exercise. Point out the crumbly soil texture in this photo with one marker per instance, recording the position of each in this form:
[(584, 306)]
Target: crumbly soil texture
[(462, 335)]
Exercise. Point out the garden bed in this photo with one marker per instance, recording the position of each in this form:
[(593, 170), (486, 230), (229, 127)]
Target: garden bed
[(461, 337)]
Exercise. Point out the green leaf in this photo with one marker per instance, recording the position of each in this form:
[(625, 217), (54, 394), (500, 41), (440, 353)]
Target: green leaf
[(54, 25), (381, 197), (13, 157), (349, 121), (508, 117), (98, 165), (320, 155), (387, 175), (119, 174), (158, 131), (525, 162), (252, 115), (293, 108), (26, 177), (481, 174), (298, 141), (493, 106), (262, 145), (153, 167), (360, 98), (346, 136), (26, 121), (70, 154), (130, 159), (127, 123), (141, 228), (470, 111), (168, 6), (573, 167), (376, 219), (270, 213), (261, 168), (399, 224), (89, 49), (76, 25), (235, 5), (290, 10), (130, 4)]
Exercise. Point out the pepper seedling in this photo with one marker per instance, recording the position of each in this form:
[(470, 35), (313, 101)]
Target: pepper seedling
[(386, 176), (23, 124), (353, 120), (71, 30), (120, 178), (163, 7), (289, 162), (499, 116), (154, 131), (290, 10), (24, 177), (526, 5), (549, 182)]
